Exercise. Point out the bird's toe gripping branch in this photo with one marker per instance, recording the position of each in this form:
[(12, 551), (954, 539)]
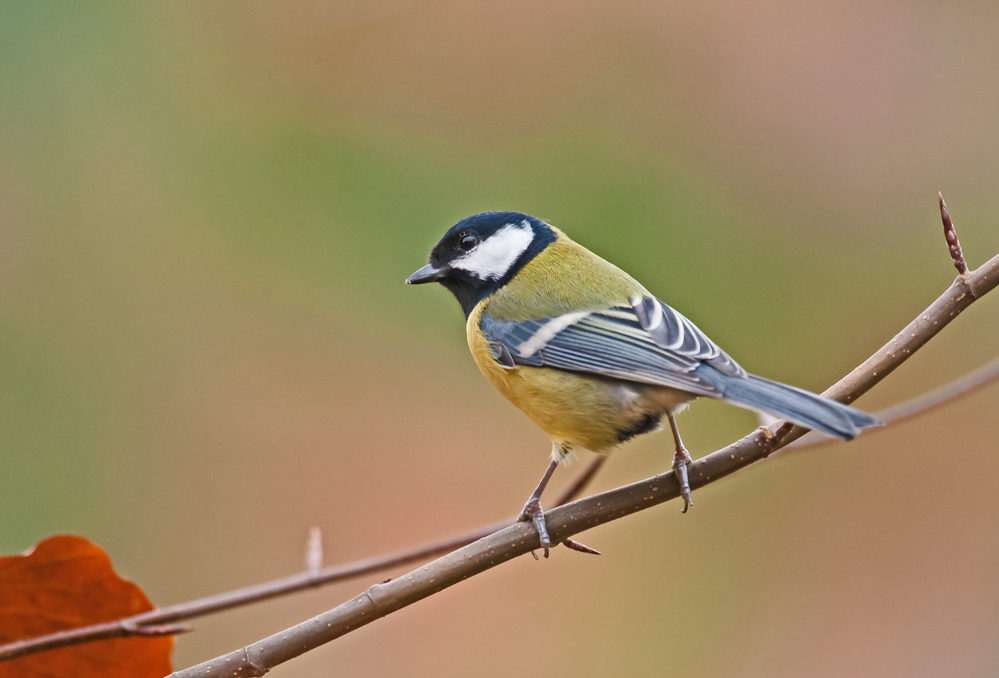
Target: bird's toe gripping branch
[(681, 460), (533, 513)]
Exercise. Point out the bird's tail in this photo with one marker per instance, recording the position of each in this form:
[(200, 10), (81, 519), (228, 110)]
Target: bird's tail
[(794, 404)]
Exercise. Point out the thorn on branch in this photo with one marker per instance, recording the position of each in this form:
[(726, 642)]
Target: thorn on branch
[(582, 548), (314, 551), (953, 244)]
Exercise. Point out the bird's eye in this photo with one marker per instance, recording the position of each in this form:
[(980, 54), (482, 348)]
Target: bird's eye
[(467, 242)]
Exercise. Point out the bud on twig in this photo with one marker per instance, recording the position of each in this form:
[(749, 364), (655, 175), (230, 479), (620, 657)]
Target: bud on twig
[(953, 244)]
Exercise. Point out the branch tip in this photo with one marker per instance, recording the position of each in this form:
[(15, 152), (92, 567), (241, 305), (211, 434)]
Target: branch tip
[(950, 233), (314, 551)]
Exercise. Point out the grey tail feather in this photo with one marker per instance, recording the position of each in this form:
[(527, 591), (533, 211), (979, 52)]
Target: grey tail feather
[(794, 404)]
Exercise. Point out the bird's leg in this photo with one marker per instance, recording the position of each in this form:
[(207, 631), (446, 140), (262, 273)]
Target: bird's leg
[(680, 462), (532, 512)]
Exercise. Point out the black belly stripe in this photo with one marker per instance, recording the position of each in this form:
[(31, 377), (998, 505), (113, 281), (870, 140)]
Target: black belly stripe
[(648, 422)]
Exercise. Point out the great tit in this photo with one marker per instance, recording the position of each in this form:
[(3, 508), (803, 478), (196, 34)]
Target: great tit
[(587, 352)]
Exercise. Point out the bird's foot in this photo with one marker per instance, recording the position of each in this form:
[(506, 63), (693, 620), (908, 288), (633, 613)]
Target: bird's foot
[(533, 513), (681, 460)]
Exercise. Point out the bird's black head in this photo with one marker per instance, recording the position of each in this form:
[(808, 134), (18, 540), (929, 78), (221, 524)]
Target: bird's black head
[(480, 253)]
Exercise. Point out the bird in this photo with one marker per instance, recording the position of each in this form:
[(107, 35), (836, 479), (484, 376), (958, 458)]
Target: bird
[(588, 353)]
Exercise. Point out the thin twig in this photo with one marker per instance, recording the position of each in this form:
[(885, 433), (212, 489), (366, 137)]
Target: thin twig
[(942, 395), (563, 522), (137, 625), (907, 409)]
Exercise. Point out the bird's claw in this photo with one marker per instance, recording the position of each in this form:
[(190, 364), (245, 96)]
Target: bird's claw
[(680, 463), (533, 513)]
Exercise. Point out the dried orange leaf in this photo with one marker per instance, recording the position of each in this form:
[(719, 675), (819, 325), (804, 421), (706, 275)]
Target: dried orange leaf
[(66, 582)]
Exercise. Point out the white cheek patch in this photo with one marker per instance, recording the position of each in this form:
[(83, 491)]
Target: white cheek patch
[(495, 255)]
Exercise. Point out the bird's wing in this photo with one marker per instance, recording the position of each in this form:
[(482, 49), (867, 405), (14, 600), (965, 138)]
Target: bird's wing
[(644, 341)]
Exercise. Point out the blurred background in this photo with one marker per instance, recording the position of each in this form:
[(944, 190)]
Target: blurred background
[(207, 211)]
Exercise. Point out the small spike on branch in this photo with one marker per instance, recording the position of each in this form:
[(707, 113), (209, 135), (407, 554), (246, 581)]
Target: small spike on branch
[(582, 548), (953, 244), (314, 551)]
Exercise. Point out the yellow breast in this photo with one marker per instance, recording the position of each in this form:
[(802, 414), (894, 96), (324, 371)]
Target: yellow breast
[(574, 409)]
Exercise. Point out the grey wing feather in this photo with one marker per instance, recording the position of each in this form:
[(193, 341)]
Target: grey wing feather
[(633, 343), (670, 329)]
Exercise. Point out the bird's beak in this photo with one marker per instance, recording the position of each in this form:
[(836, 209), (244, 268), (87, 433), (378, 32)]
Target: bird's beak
[(427, 274)]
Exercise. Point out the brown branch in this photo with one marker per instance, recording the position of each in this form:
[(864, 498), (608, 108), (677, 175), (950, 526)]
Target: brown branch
[(563, 522), (141, 624), (151, 623)]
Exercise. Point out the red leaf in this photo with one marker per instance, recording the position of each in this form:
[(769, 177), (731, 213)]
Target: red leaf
[(66, 582)]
